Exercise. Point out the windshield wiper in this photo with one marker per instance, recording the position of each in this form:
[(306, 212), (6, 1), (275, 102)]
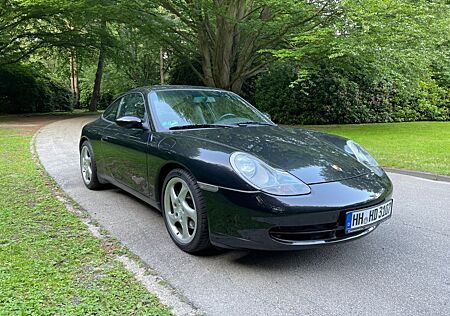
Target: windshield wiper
[(191, 126), (254, 123)]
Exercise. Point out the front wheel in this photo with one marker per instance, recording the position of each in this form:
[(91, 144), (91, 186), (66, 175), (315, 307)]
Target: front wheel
[(184, 212)]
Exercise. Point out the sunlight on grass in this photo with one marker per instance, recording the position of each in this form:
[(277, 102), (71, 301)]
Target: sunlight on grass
[(423, 146)]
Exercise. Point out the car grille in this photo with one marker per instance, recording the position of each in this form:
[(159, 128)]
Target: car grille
[(307, 232), (328, 231)]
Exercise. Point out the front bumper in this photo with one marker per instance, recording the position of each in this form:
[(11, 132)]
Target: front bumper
[(243, 220)]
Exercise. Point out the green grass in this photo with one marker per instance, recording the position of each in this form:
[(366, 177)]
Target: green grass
[(50, 264), (423, 146)]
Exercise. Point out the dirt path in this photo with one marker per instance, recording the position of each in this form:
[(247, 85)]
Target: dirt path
[(31, 123)]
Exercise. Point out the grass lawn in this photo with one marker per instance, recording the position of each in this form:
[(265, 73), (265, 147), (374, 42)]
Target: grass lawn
[(423, 146), (50, 264)]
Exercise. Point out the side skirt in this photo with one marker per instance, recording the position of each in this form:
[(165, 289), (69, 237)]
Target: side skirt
[(126, 188)]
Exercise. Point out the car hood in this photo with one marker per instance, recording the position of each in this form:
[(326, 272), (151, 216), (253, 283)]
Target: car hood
[(295, 150)]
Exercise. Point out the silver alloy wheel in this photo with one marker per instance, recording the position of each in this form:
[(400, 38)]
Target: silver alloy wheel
[(86, 165), (180, 210)]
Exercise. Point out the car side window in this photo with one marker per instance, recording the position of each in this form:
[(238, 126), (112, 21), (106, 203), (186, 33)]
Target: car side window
[(111, 111), (132, 105)]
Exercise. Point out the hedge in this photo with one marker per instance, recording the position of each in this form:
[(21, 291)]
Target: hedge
[(23, 89), (333, 95)]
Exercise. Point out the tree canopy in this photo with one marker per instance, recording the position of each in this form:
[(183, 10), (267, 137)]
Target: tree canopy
[(395, 46)]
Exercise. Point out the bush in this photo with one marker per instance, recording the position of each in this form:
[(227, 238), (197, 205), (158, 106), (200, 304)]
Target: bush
[(326, 96), (25, 90), (106, 98), (334, 93), (429, 102)]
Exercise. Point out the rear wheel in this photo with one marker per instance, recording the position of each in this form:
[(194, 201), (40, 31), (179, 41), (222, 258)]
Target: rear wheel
[(184, 212), (89, 167)]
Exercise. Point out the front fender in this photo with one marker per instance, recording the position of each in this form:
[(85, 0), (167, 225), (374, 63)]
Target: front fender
[(209, 163)]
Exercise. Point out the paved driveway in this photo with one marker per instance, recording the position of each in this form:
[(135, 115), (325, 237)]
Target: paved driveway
[(403, 268)]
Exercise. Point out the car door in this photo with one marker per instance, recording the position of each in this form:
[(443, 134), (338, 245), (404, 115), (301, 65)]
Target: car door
[(107, 118), (125, 149)]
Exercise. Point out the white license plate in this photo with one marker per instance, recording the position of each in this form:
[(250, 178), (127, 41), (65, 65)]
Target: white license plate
[(357, 220)]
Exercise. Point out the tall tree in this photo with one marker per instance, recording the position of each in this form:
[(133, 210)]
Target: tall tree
[(99, 73), (391, 40), (74, 79), (98, 81), (231, 36), (27, 27), (137, 56)]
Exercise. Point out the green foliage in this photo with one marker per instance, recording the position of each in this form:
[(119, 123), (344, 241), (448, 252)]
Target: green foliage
[(428, 102), (337, 92), (352, 61), (328, 95), (182, 74), (399, 40), (115, 82), (233, 37), (28, 26), (25, 90), (136, 57), (379, 61)]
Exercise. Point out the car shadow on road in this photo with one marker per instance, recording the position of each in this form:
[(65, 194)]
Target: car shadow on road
[(318, 258), (134, 198)]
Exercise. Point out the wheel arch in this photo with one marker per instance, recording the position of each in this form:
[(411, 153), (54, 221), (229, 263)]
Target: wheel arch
[(82, 140), (163, 172)]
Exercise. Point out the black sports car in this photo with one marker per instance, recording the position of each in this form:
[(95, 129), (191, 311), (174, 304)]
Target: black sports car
[(224, 174)]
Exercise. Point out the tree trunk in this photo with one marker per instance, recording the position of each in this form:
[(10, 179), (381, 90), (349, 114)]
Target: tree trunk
[(161, 64), (219, 46), (223, 49), (205, 53), (236, 87), (98, 81), (74, 82), (234, 37)]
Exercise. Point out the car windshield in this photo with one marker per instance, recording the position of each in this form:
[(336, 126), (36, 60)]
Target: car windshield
[(176, 109)]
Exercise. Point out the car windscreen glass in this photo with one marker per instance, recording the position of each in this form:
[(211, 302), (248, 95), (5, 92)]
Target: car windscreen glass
[(172, 108)]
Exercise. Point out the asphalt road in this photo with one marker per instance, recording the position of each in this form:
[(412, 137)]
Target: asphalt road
[(403, 268)]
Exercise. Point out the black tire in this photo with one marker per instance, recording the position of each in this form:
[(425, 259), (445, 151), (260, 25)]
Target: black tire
[(200, 244), (94, 183)]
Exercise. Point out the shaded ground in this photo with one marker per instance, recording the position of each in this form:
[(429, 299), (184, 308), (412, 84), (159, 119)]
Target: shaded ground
[(32, 122)]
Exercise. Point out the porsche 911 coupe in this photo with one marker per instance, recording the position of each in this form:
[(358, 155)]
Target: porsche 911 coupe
[(223, 174)]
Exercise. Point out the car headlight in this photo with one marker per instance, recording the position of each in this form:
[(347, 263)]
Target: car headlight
[(265, 178), (363, 156)]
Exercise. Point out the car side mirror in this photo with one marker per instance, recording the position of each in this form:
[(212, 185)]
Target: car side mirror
[(129, 122)]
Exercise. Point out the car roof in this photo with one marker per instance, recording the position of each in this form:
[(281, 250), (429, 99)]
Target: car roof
[(147, 89)]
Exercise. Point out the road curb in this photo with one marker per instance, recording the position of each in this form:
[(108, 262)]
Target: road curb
[(419, 174)]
